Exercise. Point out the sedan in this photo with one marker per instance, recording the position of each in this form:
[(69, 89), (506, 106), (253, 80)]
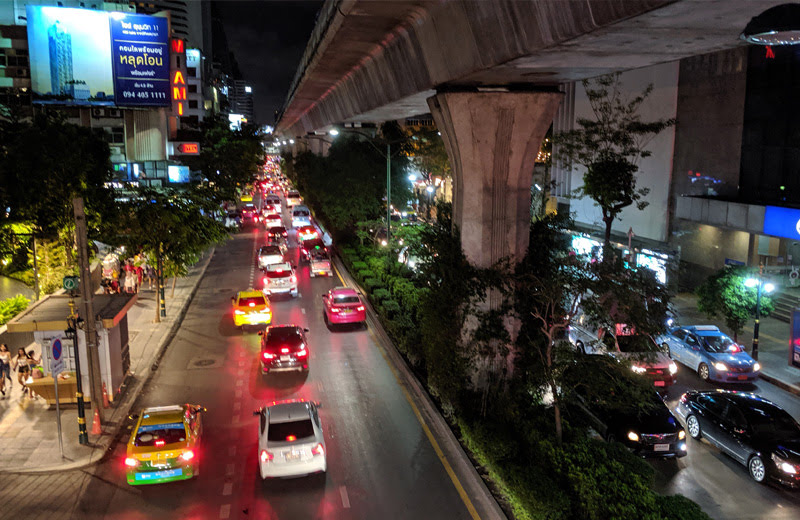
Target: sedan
[(273, 220), (290, 440), (307, 233), (284, 348), (712, 354), (270, 254), (343, 305), (755, 432)]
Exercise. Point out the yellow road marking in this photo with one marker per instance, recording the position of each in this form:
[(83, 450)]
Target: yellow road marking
[(428, 433)]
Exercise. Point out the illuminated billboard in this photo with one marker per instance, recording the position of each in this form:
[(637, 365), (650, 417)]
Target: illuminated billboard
[(87, 57)]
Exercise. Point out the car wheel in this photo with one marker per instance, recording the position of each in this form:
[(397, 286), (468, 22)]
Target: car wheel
[(758, 471), (702, 371), (693, 425), (580, 347)]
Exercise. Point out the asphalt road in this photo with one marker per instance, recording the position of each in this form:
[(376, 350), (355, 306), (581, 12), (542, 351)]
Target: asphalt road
[(720, 485), (380, 463)]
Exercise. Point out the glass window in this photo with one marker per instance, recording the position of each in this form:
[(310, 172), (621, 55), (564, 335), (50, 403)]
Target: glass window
[(345, 299), (713, 403), (255, 300), (771, 421), (284, 431), (635, 343), (160, 434), (719, 344)]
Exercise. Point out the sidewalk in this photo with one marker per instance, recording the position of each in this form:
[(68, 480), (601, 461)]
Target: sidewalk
[(28, 432), (773, 342)]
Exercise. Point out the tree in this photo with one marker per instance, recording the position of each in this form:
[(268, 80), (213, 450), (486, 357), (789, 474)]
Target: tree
[(725, 294), (609, 146), (170, 225)]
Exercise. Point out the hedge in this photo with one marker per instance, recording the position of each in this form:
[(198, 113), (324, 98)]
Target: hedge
[(373, 283), (390, 307), (380, 294), (365, 274), (359, 266), (11, 307)]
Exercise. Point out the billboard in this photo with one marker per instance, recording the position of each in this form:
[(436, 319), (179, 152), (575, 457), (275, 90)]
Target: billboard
[(87, 57)]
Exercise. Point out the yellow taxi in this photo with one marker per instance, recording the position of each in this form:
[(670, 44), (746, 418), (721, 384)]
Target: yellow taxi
[(164, 445), (246, 197), (251, 307)]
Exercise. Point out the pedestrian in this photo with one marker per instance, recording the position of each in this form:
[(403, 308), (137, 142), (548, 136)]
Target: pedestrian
[(139, 277), (5, 368), (23, 363), (151, 276)]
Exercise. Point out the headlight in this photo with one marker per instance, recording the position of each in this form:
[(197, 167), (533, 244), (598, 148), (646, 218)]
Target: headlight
[(638, 370), (721, 367), (756, 367), (633, 436), (673, 368), (784, 465), (681, 435)]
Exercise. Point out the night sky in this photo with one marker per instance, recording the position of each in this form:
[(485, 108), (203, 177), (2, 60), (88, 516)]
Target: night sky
[(268, 38)]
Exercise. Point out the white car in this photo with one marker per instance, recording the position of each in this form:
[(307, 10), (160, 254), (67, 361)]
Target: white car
[(290, 440), (293, 198), (273, 220), (301, 216), (279, 279), (271, 254), (274, 201)]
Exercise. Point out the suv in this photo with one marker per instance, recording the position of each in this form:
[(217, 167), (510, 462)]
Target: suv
[(275, 201), (280, 278), (270, 254), (284, 348)]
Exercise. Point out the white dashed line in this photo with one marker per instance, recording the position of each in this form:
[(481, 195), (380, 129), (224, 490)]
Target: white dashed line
[(241, 363), (227, 489), (302, 310), (238, 393), (236, 418), (345, 499), (225, 511), (237, 406), (240, 382), (230, 468), (319, 385)]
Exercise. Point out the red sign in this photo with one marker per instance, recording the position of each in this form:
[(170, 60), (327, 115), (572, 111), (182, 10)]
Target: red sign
[(189, 148)]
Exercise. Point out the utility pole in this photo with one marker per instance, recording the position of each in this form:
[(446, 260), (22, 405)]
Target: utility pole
[(389, 197), (89, 322)]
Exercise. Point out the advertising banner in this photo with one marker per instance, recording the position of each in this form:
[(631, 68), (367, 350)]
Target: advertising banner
[(782, 222), (141, 59), (74, 61)]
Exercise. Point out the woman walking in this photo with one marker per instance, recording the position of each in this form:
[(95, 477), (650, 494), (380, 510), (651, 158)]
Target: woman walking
[(5, 368), (23, 364)]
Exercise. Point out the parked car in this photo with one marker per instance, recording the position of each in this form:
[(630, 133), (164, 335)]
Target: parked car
[(290, 439), (270, 254), (343, 305), (754, 431), (280, 279), (710, 353), (284, 348)]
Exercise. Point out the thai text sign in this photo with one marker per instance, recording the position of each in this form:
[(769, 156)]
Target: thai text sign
[(141, 59)]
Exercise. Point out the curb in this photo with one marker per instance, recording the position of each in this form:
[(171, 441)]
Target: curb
[(101, 450), (780, 384), (482, 499)]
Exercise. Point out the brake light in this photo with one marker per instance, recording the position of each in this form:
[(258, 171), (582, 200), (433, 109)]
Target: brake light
[(187, 455), (131, 462), (267, 355), (251, 304), (265, 456), (319, 449), (160, 442), (335, 309), (360, 308), (237, 311), (265, 280), (293, 279), (301, 354), (290, 438), (284, 351)]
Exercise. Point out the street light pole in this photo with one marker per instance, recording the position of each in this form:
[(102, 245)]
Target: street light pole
[(389, 196), (758, 283)]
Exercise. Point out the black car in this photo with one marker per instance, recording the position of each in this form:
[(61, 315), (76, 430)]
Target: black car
[(307, 246), (650, 432), (277, 234), (756, 432), (284, 348)]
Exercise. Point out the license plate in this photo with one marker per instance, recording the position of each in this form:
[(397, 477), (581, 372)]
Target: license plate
[(292, 455), (286, 358), (345, 311), (153, 475), (661, 447), (660, 383), (742, 378)]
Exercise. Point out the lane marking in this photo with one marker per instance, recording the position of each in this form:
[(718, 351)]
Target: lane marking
[(428, 433), (303, 310), (240, 382), (238, 393), (232, 451), (319, 385), (236, 418), (229, 469), (227, 489), (236, 406), (345, 498), (225, 511)]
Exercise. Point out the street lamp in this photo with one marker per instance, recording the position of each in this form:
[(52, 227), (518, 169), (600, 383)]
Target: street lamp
[(760, 286)]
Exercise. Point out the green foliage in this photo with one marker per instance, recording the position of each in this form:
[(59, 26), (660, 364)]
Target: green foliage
[(10, 307), (380, 294), (390, 308), (54, 265), (365, 274), (373, 283), (609, 146), (678, 507), (359, 266), (725, 294), (378, 266)]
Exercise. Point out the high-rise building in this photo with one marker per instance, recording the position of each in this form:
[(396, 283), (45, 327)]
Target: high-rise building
[(60, 43), (241, 99)]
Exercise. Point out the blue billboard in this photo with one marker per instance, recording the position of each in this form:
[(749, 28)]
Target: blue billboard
[(74, 60), (782, 222), (139, 46)]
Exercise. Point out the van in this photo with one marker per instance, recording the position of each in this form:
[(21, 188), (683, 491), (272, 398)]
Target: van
[(301, 216)]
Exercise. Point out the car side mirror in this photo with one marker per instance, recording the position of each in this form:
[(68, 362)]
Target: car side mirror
[(306, 330), (257, 412), (317, 404), (233, 300), (133, 416), (260, 332)]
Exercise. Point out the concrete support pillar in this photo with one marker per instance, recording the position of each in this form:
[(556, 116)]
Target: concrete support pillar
[(492, 139)]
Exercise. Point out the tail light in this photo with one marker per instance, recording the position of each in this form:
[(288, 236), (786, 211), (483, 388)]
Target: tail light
[(160, 443), (265, 280), (319, 449), (293, 279), (266, 456), (131, 462), (284, 351), (360, 308), (302, 353), (237, 311), (255, 219), (335, 309), (187, 455), (267, 356)]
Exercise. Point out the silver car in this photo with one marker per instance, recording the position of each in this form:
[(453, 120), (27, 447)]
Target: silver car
[(290, 440)]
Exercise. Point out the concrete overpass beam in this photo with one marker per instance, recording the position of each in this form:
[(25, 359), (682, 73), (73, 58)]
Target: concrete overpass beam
[(492, 139)]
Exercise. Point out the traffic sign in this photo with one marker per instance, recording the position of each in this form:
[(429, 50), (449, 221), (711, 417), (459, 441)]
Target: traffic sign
[(56, 363), (70, 283)]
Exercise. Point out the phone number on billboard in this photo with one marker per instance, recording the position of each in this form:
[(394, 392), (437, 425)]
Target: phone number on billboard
[(143, 95)]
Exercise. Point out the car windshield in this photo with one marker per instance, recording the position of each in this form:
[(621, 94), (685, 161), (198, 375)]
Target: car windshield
[(270, 250), (290, 431), (160, 434), (772, 422), (252, 301), (293, 194), (345, 299), (635, 343), (719, 344), (312, 244)]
